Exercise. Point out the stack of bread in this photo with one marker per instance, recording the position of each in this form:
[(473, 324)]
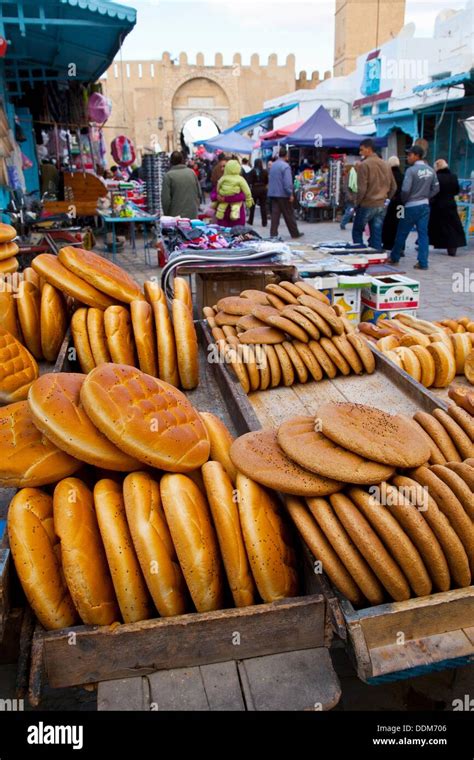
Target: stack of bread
[(143, 334), (154, 524), (382, 522), (8, 249), (433, 353), (290, 333)]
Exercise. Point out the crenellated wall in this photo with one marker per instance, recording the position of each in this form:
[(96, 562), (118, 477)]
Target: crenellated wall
[(167, 92)]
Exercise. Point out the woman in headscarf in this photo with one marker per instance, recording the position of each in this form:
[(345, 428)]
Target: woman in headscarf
[(445, 229), (390, 224)]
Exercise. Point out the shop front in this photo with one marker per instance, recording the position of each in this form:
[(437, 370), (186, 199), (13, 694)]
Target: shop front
[(51, 57)]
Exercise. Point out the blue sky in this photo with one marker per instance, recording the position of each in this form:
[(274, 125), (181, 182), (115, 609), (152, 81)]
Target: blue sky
[(248, 26)]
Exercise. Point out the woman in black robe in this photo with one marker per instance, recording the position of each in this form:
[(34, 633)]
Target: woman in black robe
[(390, 223), (445, 229)]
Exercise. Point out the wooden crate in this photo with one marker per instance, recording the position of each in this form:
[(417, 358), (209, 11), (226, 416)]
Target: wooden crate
[(215, 281), (438, 630), (191, 642)]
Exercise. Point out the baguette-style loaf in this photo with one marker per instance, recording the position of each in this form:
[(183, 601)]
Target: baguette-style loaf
[(130, 588), (82, 552), (153, 544), (144, 335), (220, 440), (194, 538), (29, 310), (54, 320), (37, 556), (225, 513), (267, 541)]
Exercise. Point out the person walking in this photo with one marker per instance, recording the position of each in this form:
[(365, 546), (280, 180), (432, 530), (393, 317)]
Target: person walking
[(420, 184), (280, 191), (181, 192), (392, 217), (375, 183), (445, 229), (258, 181)]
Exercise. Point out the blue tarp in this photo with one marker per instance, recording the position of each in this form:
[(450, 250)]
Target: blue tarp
[(466, 76), (229, 142), (259, 118), (62, 40), (406, 120), (322, 131)]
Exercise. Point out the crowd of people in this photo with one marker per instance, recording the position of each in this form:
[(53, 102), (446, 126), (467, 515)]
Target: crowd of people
[(235, 189), (376, 196), (391, 204)]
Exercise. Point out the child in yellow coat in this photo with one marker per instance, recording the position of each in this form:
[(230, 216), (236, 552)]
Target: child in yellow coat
[(232, 183)]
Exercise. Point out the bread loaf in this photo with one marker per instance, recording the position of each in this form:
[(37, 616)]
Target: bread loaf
[(145, 337), (80, 337), (18, 369), (37, 557), (267, 541), (153, 544), (187, 352), (118, 329), (54, 321), (386, 438), (195, 541), (28, 458), (145, 417), (51, 270), (371, 547), (225, 513), (82, 554), (182, 292), (130, 588), (8, 312), (56, 410), (220, 440), (100, 273), (28, 305), (153, 292), (167, 360), (97, 337)]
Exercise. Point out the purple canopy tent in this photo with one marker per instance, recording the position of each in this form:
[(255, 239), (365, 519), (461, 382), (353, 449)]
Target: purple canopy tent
[(322, 131)]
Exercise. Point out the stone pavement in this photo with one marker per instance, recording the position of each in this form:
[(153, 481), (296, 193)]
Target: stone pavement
[(444, 287)]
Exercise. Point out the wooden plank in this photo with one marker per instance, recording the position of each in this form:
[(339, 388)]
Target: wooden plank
[(424, 399), (313, 394), (104, 653), (274, 406), (416, 618), (420, 652), (293, 681), (124, 694)]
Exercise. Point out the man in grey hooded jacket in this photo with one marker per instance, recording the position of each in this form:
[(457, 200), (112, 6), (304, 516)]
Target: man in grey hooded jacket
[(420, 184)]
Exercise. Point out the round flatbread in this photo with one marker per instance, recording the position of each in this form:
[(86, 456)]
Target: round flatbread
[(259, 456), (313, 451), (390, 439)]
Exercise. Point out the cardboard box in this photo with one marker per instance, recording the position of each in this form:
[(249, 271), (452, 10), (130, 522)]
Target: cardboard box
[(392, 292), (372, 315)]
